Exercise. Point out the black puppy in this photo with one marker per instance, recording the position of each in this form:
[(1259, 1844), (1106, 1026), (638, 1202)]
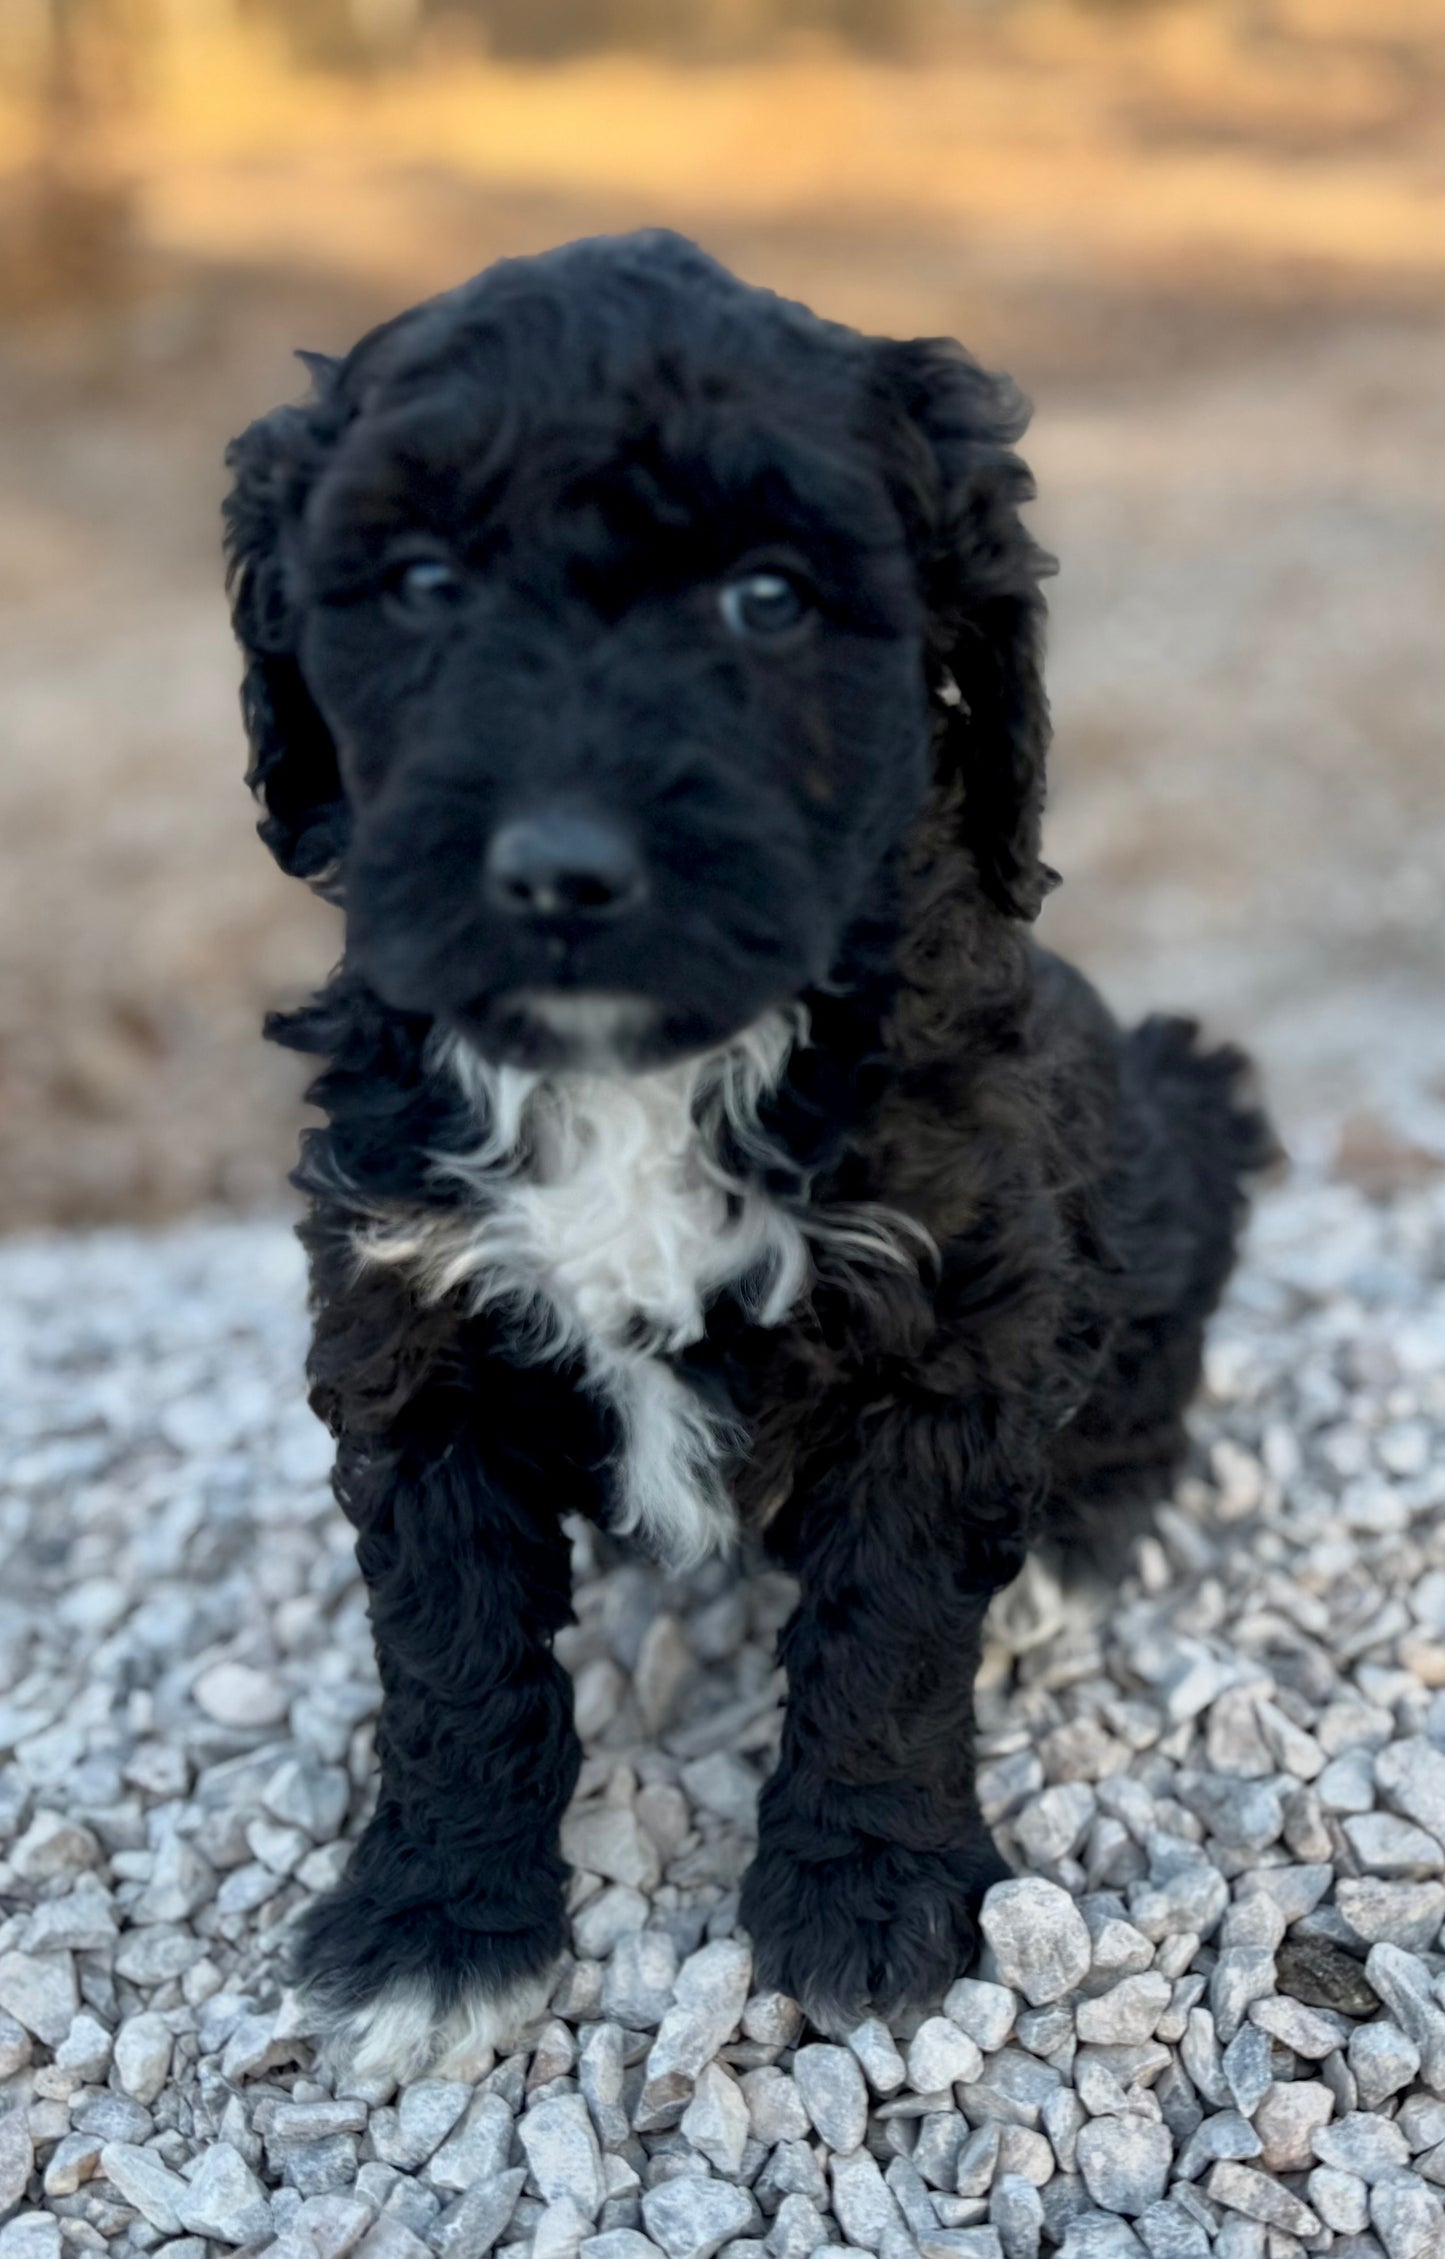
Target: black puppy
[(652, 672)]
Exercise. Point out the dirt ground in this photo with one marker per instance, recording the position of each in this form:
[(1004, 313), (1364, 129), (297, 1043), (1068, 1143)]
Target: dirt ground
[(1225, 296)]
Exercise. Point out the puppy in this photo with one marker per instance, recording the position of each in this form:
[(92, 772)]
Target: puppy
[(651, 672)]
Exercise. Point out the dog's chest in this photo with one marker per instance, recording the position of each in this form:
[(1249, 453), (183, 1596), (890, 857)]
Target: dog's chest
[(608, 1228), (620, 1221)]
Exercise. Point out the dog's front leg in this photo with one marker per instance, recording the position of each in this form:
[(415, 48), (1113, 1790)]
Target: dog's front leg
[(872, 1852), (441, 1938)]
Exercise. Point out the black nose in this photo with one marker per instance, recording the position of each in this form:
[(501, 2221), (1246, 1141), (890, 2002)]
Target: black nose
[(562, 865)]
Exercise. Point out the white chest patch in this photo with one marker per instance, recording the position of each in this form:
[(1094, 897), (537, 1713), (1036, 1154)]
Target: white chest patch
[(601, 1214)]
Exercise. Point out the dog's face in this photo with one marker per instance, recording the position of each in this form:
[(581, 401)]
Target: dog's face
[(598, 641)]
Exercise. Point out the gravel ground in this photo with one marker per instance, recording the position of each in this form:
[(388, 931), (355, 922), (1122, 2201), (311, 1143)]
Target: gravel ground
[(1212, 2008)]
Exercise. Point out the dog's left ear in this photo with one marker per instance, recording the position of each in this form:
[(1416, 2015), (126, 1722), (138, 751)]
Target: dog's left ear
[(293, 768), (947, 432)]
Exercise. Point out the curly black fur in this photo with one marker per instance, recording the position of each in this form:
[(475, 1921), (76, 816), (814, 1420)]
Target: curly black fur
[(582, 449)]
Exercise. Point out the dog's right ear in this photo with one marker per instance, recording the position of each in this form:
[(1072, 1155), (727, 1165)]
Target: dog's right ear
[(293, 768)]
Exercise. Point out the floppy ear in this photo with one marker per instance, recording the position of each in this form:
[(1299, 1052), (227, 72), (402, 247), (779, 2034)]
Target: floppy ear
[(948, 442), (293, 768)]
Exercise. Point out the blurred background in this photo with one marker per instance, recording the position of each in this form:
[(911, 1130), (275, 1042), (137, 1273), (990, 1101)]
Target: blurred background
[(1207, 236)]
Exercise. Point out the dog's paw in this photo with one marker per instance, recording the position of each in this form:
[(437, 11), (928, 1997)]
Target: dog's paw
[(397, 1993), (877, 1930), (408, 2032)]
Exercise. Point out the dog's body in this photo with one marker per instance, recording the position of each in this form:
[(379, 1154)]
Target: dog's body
[(652, 670)]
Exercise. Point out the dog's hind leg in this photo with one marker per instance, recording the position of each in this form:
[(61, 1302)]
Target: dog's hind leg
[(1171, 1213), (441, 1939)]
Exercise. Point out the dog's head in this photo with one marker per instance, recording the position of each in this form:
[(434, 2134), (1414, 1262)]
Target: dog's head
[(608, 623)]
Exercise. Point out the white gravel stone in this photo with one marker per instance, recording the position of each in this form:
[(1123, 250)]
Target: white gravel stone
[(1311, 2032), (1125, 2162), (1386, 1845), (865, 2206), (1228, 2134), (562, 2150), (225, 2201), (716, 2121), (389, 2238), (601, 2070), (142, 2056), (1410, 1774), (775, 2107), (875, 2048), (693, 2219), (426, 2113), (1408, 2218), (40, 1991), (1063, 2117), (1241, 2189), (236, 1695), (1025, 2154), (962, 2243), (561, 2231), (640, 1980), (72, 2162), (722, 1784), (1168, 2231), (1100, 2235), (181, 1881), (469, 2227), (1403, 1984), (1038, 1938), (1341, 2199), (1248, 2068), (985, 2011), (32, 2235), (619, 2243), (1382, 2061), (975, 2158), (1127, 2012), (1407, 1914), (798, 2229), (1016, 2212), (1363, 2143), (53, 1845), (600, 1925), (940, 2053), (1347, 1784), (831, 2089), (15, 2049), (308, 1796), (17, 2156), (911, 2194), (155, 2191), (708, 1999), (1241, 1975), (772, 2019), (608, 1840), (1053, 1824), (1287, 2121)]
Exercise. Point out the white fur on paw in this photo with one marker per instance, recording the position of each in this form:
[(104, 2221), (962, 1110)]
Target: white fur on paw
[(402, 2034)]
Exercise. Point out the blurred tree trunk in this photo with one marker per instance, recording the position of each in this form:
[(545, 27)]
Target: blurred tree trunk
[(68, 233)]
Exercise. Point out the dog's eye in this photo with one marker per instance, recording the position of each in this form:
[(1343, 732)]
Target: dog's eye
[(426, 584), (759, 604)]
